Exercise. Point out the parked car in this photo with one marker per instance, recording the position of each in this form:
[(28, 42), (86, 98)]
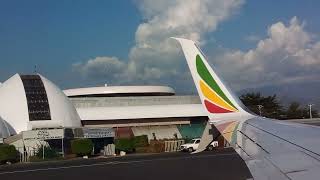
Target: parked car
[(194, 144)]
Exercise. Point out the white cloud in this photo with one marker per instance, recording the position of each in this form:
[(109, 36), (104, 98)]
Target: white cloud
[(181, 18), (289, 54), (101, 67), (154, 56)]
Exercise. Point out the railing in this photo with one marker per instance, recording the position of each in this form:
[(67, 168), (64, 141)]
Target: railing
[(26, 153), (173, 146)]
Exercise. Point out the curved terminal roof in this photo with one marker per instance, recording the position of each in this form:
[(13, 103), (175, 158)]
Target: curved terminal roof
[(32, 101), (116, 91)]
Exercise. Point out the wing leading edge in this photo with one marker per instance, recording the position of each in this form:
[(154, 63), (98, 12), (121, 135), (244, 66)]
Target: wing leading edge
[(271, 149)]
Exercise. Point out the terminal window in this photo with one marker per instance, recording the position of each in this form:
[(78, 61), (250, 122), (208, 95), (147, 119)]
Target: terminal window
[(37, 99)]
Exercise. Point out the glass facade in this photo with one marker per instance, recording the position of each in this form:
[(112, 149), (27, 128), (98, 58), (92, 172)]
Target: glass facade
[(37, 100)]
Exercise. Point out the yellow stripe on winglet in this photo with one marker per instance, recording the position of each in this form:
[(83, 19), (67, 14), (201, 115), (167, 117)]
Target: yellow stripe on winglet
[(213, 97)]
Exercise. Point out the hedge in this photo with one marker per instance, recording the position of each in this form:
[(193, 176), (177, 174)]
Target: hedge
[(81, 147), (141, 141), (131, 144), (125, 144), (48, 153), (8, 153)]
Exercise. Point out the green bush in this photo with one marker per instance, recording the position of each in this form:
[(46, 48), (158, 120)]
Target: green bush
[(81, 147), (125, 144), (141, 141), (130, 144), (8, 153), (48, 153)]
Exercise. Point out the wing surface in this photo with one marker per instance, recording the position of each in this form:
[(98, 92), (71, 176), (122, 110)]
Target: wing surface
[(272, 149), (277, 150)]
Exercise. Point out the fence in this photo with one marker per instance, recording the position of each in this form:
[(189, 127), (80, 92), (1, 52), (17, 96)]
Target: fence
[(26, 153), (173, 146)]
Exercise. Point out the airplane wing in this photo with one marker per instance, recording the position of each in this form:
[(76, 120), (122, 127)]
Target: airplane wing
[(276, 150), (272, 149)]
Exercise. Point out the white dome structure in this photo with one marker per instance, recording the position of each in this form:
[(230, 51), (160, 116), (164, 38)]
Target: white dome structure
[(5, 129), (32, 101)]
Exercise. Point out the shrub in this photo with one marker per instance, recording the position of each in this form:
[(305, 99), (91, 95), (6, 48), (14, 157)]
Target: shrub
[(8, 153), (48, 153), (141, 141), (125, 144), (81, 147), (130, 144)]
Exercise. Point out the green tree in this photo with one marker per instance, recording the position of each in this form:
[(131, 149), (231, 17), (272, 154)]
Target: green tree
[(294, 111), (306, 113), (271, 106)]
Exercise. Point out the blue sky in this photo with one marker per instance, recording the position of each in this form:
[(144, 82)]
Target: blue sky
[(55, 34), (61, 37)]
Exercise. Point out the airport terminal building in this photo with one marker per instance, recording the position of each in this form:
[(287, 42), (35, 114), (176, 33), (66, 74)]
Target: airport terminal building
[(135, 110), (32, 103)]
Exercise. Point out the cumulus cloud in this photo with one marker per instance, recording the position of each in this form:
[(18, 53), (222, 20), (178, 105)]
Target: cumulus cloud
[(100, 67), (154, 56), (182, 18), (289, 54)]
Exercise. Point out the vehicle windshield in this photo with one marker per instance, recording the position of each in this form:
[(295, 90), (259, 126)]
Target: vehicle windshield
[(192, 141)]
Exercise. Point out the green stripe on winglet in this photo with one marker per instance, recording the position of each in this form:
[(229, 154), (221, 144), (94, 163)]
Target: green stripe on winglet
[(206, 76)]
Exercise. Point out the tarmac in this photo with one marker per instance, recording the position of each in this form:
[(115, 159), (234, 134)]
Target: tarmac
[(219, 164)]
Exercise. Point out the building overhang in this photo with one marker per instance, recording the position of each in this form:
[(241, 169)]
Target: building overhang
[(141, 112)]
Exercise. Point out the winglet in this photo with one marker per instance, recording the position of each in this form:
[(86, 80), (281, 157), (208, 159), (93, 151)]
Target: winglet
[(214, 95)]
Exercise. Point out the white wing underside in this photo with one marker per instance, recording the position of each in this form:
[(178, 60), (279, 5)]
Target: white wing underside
[(277, 150)]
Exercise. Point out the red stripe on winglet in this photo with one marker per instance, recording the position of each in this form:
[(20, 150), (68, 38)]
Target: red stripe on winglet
[(212, 108)]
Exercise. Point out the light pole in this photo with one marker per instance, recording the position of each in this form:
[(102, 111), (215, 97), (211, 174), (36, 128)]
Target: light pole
[(310, 110), (260, 107)]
